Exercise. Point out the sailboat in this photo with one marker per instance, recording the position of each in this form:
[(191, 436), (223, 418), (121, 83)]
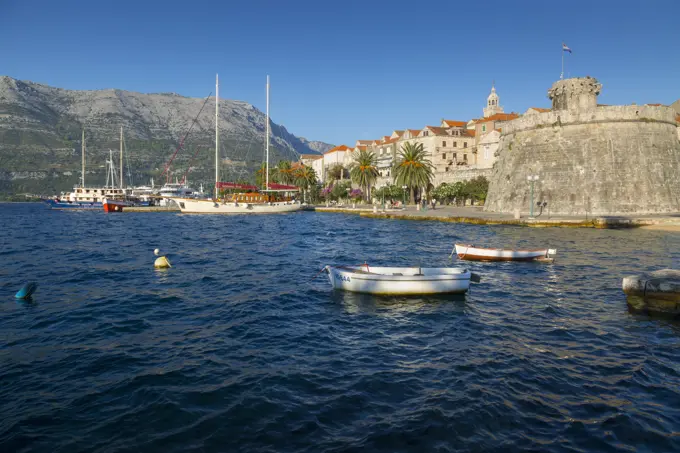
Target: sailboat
[(84, 197), (245, 199), (116, 201)]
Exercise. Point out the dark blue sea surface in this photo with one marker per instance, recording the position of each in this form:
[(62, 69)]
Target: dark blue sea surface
[(238, 348)]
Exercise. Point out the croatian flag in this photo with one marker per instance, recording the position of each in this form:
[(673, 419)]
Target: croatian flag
[(565, 48)]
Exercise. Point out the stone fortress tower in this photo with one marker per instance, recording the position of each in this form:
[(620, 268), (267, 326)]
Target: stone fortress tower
[(589, 158)]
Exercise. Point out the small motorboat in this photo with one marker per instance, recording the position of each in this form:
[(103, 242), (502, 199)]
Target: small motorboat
[(400, 280), (472, 253)]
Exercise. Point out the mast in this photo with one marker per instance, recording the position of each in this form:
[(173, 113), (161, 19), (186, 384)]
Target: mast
[(121, 157), (217, 132), (82, 149), (266, 187)]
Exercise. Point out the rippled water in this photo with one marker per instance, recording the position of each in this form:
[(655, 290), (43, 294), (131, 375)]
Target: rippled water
[(237, 348)]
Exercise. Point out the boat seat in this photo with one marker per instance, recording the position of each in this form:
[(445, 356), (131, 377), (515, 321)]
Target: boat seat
[(397, 273)]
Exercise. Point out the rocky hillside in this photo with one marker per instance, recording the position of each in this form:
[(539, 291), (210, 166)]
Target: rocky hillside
[(40, 130)]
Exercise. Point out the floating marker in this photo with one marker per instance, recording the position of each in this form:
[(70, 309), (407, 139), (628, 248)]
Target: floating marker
[(26, 291), (161, 262)]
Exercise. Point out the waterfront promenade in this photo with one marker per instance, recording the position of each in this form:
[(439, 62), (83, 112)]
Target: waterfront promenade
[(476, 215)]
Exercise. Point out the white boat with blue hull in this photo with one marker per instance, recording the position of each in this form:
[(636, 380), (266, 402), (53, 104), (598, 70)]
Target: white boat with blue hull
[(400, 280)]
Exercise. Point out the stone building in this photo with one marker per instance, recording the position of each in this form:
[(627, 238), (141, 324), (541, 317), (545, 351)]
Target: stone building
[(589, 158)]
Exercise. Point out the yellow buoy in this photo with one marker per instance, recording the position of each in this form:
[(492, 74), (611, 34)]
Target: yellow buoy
[(161, 262)]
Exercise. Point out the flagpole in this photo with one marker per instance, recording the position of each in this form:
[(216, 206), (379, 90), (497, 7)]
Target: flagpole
[(562, 73)]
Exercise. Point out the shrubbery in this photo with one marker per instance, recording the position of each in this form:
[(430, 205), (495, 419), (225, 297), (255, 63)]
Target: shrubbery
[(474, 189)]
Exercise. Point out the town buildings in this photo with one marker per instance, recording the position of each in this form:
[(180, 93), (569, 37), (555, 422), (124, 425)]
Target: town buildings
[(458, 150)]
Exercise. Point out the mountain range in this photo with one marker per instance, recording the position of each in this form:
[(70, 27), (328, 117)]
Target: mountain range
[(40, 137)]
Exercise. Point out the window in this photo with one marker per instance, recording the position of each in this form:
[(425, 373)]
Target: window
[(484, 128), (455, 144), (426, 133), (464, 157), (444, 144), (454, 156), (444, 156), (464, 144)]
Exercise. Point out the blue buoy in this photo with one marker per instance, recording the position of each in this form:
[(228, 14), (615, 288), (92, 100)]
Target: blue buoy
[(26, 290)]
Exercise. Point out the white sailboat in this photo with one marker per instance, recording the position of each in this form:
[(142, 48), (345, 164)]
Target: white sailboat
[(252, 202)]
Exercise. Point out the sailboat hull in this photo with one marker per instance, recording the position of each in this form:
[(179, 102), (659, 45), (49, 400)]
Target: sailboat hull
[(194, 206)]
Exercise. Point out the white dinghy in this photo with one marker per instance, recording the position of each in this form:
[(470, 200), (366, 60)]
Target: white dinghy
[(472, 253), (400, 280)]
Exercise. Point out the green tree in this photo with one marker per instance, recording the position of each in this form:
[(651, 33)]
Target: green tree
[(412, 168), (364, 171), (304, 178), (477, 188), (336, 172)]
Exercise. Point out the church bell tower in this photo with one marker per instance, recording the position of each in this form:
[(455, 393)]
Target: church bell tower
[(492, 104)]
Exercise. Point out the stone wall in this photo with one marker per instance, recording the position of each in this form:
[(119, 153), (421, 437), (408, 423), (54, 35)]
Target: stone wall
[(461, 175), (609, 160)]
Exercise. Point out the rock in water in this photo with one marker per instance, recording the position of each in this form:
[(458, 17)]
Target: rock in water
[(655, 292)]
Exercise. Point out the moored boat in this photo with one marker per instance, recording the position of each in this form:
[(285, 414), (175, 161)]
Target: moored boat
[(472, 253), (68, 204), (395, 281), (241, 198), (111, 205)]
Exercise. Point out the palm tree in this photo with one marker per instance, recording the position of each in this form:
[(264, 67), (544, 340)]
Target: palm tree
[(284, 171), (305, 177), (364, 171), (261, 173), (412, 168)]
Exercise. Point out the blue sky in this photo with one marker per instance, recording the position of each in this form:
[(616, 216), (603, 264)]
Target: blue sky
[(348, 70)]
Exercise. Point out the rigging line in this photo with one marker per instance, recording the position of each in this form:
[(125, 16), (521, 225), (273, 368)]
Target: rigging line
[(181, 143)]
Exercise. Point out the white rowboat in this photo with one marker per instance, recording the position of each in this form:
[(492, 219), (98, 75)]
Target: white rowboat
[(471, 253), (400, 280)]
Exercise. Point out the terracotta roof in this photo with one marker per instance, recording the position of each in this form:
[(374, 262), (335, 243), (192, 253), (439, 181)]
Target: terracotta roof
[(361, 147), (414, 132), (399, 133), (499, 117), (391, 140), (337, 148), (310, 156), (655, 105), (539, 109), (437, 130), (364, 142), (453, 123), (499, 130), (470, 132), (385, 137)]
